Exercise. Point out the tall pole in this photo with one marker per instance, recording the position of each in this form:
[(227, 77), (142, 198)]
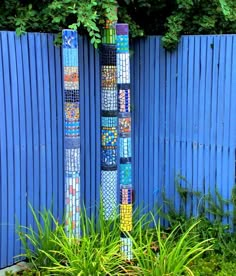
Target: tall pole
[(124, 112), (71, 131), (109, 121)]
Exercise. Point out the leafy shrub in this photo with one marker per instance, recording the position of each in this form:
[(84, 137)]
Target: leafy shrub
[(171, 18), (168, 254)]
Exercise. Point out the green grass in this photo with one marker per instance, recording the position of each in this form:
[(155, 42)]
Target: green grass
[(51, 251)]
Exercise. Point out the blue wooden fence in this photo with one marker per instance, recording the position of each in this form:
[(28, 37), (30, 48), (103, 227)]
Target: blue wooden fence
[(184, 117), (183, 124)]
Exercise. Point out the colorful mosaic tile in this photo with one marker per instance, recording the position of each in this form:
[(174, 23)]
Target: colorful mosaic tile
[(109, 157), (109, 78), (126, 217), (70, 57), (72, 111), (122, 29), (126, 248), (126, 196), (72, 160), (109, 136), (109, 100), (109, 122), (71, 142), (125, 174), (109, 193), (122, 44), (125, 147), (109, 36), (108, 54), (72, 128), (71, 96), (123, 71), (124, 100), (70, 39), (72, 200), (71, 78), (125, 125)]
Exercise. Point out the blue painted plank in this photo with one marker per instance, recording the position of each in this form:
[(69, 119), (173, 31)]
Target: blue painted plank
[(33, 176), (162, 76), (146, 122), (142, 181), (178, 120), (184, 77), (232, 138), (220, 120), (53, 128), (27, 195), (3, 157), (205, 113), (190, 85), (42, 127), (167, 94), (215, 81), (16, 136), (156, 192), (87, 118), (46, 64), (97, 119), (226, 193), (197, 183), (173, 111), (10, 146), (151, 108), (135, 119), (22, 129), (201, 163)]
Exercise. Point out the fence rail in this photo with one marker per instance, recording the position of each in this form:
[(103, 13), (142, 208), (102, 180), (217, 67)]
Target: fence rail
[(183, 124)]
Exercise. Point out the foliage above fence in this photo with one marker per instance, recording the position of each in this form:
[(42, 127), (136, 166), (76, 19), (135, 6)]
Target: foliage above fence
[(170, 18)]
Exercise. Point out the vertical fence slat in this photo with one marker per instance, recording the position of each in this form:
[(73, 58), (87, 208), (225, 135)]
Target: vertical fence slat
[(10, 144), (190, 76), (173, 115), (205, 114), (197, 185), (156, 188), (167, 124), (3, 163), (53, 124), (178, 124), (162, 91), (220, 173), (47, 122), (135, 119), (184, 77), (22, 130), (227, 181), (32, 134), (16, 138)]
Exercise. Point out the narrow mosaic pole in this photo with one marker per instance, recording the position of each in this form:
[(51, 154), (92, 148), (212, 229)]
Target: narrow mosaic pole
[(125, 169), (109, 121), (71, 131)]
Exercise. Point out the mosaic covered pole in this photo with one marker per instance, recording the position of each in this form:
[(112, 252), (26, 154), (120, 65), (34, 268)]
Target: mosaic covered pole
[(71, 132), (124, 112), (109, 121)]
